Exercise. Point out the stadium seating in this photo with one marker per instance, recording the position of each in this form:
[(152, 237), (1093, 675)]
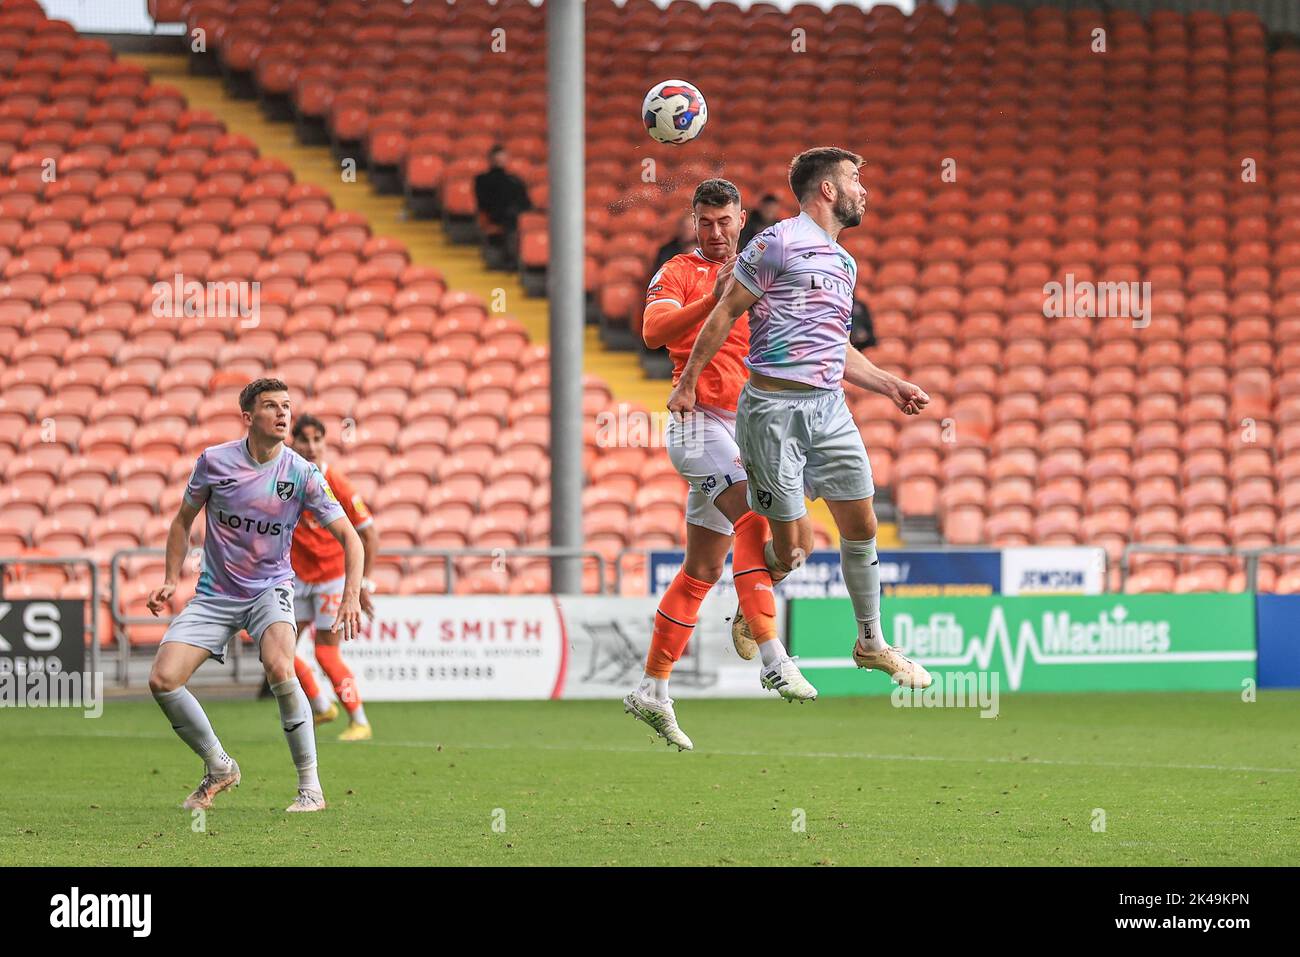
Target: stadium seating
[(436, 407), (1155, 165), (1001, 154)]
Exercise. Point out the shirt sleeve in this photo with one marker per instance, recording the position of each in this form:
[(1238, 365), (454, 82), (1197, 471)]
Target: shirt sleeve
[(354, 505), (761, 262), (199, 486), (666, 286), (319, 498)]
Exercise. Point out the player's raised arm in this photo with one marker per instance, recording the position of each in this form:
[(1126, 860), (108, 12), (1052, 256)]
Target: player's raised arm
[(735, 301), (862, 372), (665, 316)]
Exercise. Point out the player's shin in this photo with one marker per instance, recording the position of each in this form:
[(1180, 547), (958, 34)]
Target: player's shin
[(307, 678), (191, 723), (861, 569), (299, 730), (753, 584), (345, 683), (674, 621)]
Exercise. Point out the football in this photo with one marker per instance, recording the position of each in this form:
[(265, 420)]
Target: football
[(674, 112)]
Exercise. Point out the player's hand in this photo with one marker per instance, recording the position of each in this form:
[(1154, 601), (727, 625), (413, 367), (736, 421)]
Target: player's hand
[(724, 277), (159, 596), (367, 603), (682, 399), (911, 399), (348, 622)]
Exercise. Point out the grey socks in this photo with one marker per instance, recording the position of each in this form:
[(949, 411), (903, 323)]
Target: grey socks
[(299, 730), (861, 569)]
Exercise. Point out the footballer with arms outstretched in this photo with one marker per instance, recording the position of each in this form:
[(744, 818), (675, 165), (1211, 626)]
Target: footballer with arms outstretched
[(702, 447), (318, 591), (254, 490), (793, 426)]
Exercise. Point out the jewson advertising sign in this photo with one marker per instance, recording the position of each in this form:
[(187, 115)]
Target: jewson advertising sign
[(1044, 570), (902, 572), (1042, 643)]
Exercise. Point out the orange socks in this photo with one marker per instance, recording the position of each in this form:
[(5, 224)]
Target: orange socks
[(306, 678), (752, 579), (679, 609), (345, 685)]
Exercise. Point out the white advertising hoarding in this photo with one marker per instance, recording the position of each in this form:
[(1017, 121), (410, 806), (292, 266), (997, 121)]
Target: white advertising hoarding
[(442, 648)]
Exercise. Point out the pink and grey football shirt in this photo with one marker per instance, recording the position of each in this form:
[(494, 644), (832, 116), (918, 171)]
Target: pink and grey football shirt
[(799, 328), (252, 510)]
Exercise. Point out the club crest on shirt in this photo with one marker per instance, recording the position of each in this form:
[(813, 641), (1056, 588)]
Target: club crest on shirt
[(284, 490), (764, 499)]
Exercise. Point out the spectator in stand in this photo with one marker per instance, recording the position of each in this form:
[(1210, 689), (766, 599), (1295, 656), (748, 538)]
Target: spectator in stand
[(501, 197), (683, 242), (768, 212), (863, 333)]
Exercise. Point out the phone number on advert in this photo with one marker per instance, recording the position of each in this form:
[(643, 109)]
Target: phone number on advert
[(429, 673)]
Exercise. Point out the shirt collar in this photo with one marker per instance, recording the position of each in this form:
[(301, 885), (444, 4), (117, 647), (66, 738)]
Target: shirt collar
[(803, 215), (248, 456)]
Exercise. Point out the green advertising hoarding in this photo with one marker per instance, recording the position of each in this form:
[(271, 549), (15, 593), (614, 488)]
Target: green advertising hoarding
[(1041, 642)]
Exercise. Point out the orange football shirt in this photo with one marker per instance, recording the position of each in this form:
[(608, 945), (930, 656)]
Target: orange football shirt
[(685, 279), (315, 554)]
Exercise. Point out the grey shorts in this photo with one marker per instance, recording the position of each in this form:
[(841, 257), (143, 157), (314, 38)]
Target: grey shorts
[(210, 621), (797, 443)]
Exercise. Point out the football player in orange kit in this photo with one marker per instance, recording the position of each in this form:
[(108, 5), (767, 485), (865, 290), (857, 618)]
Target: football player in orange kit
[(316, 561), (702, 447)]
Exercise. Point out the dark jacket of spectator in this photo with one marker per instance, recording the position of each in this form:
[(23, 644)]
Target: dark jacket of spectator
[(862, 335), (767, 213), (501, 195)]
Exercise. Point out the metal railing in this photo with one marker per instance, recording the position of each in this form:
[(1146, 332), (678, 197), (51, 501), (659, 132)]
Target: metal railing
[(1249, 557), (451, 555), (122, 621), (92, 626)]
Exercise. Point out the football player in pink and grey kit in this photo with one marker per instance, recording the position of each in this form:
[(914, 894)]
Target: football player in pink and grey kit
[(254, 489), (793, 427)]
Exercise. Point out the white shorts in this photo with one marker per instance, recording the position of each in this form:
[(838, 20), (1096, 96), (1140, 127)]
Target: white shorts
[(210, 621), (702, 447), (318, 602)]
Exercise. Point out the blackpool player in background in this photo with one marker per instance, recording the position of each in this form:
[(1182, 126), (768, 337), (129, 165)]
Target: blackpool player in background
[(318, 592), (702, 448), (254, 489), (793, 426)]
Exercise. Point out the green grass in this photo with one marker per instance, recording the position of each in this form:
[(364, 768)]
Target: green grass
[(1182, 778)]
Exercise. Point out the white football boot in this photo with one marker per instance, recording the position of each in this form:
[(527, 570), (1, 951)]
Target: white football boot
[(902, 669), (660, 716), (200, 798), (308, 799), (788, 681)]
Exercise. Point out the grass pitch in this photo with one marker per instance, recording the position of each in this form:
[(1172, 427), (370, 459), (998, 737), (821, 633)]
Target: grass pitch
[(1180, 778)]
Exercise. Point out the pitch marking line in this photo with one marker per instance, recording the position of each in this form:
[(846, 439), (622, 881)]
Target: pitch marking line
[(811, 755)]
